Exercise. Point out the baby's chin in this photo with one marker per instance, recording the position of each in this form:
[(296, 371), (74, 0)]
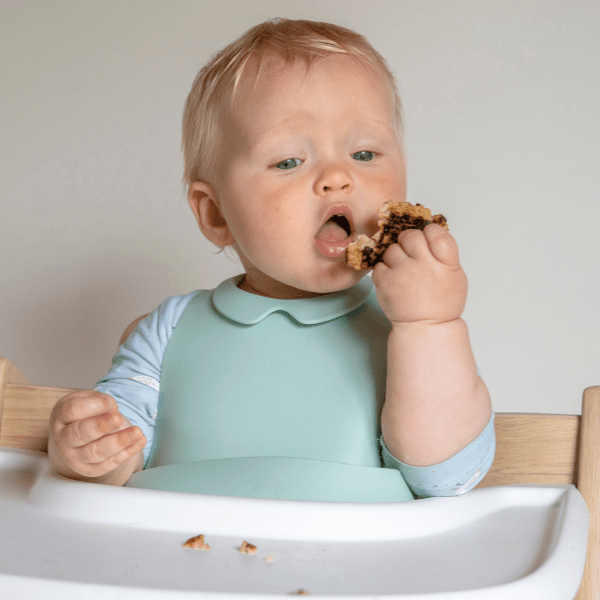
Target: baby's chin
[(302, 281), (332, 280)]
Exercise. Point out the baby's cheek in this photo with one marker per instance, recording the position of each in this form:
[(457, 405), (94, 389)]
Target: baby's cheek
[(249, 236)]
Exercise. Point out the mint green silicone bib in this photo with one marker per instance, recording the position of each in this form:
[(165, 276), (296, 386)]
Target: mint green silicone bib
[(274, 399)]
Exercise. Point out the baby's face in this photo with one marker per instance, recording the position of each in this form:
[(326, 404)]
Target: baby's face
[(297, 150)]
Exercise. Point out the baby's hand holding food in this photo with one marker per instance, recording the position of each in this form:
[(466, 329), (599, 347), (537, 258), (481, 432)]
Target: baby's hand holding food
[(90, 439), (420, 278)]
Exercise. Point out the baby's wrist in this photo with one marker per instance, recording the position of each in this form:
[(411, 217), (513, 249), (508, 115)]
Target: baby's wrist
[(426, 325)]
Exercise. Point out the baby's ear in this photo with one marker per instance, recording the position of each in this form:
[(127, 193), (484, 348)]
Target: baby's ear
[(204, 204)]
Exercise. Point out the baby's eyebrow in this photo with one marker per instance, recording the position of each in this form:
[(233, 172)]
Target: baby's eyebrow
[(276, 143), (278, 140), (377, 127)]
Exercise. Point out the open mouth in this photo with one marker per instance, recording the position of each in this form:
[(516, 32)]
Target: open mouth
[(337, 228), (334, 235)]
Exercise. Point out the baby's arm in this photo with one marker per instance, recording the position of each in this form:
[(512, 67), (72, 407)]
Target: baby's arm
[(92, 437), (90, 440), (436, 404)]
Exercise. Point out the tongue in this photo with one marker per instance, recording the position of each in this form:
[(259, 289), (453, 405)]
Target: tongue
[(332, 232)]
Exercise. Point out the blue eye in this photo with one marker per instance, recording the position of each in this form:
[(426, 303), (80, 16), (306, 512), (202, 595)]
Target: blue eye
[(286, 165), (364, 155)]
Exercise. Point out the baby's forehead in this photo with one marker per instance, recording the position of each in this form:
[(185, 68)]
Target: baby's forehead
[(274, 93), (262, 71), (272, 76), (270, 65)]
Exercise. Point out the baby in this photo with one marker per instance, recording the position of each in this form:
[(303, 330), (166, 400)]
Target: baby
[(300, 378)]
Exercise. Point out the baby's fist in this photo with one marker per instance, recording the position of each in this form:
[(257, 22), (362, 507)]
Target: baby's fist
[(421, 279), (89, 438)]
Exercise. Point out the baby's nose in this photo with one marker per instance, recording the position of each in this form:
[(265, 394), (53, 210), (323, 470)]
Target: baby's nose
[(334, 180), (327, 188)]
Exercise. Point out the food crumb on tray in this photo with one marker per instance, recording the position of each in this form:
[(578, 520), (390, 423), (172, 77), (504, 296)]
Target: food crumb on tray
[(269, 559), (197, 543), (300, 592), (247, 548)]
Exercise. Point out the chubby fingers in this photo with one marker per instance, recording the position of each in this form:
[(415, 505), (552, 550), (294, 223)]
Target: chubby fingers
[(442, 244), (108, 452), (84, 416), (80, 433), (419, 244), (82, 404), (411, 244), (91, 434)]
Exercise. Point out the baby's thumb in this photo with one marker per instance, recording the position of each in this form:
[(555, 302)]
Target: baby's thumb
[(442, 245)]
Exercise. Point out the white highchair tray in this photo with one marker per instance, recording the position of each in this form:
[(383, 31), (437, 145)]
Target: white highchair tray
[(71, 540)]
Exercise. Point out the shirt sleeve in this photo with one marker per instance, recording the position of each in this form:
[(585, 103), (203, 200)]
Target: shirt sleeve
[(134, 377), (456, 475)]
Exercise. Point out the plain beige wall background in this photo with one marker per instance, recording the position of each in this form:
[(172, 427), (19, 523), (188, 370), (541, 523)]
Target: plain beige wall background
[(501, 111)]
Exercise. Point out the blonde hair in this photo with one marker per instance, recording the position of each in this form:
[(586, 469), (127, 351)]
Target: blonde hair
[(218, 79)]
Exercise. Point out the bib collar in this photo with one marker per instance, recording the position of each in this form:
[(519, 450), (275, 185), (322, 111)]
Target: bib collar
[(249, 309)]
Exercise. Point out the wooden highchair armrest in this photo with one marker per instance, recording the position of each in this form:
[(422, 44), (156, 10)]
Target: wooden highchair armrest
[(26, 415), (25, 409)]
